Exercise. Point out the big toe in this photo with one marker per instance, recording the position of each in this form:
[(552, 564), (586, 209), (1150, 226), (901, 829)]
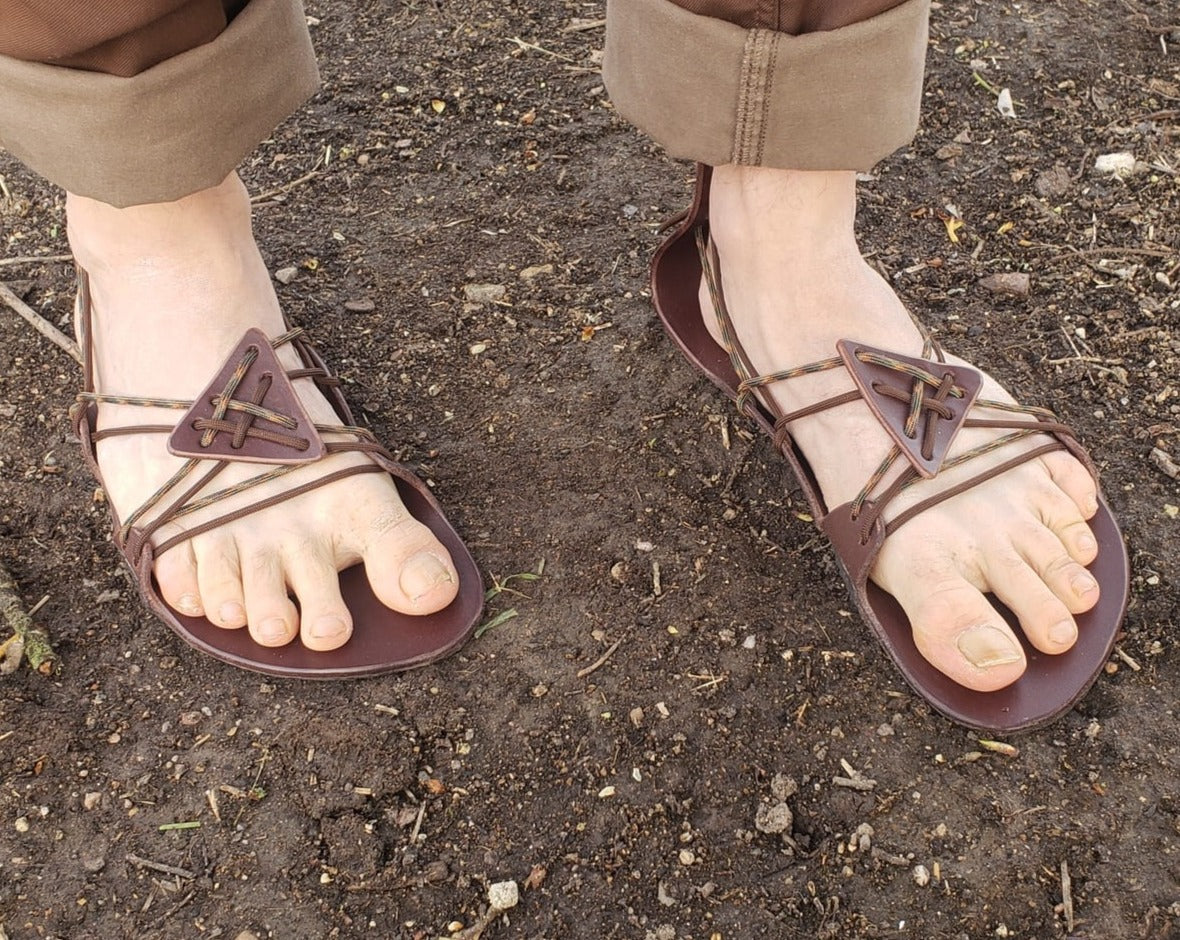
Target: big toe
[(963, 636), (408, 568)]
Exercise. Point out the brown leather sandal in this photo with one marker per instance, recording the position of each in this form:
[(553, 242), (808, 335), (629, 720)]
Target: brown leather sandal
[(251, 413), (922, 403)]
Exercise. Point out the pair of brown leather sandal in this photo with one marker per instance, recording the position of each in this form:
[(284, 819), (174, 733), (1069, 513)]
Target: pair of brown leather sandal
[(251, 413), (921, 403)]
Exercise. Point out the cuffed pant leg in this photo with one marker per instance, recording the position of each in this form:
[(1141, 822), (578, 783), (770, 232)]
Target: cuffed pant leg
[(744, 90), (118, 37), (178, 127)]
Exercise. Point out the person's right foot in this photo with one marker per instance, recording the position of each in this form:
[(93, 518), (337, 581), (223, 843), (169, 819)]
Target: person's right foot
[(795, 283), (174, 288)]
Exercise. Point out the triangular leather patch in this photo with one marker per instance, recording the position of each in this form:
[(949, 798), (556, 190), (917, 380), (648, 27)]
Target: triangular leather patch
[(249, 412), (925, 455)]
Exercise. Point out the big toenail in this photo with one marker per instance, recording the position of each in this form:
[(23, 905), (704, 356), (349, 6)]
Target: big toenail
[(189, 604), (1064, 633), (273, 629), (1083, 584), (327, 627), (986, 647), (423, 573), (232, 614)]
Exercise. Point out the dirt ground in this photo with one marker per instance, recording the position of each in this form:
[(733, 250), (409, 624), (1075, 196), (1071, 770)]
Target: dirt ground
[(452, 148)]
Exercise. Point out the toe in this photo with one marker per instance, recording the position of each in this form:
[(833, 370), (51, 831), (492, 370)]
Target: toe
[(1044, 617), (1074, 480), (272, 617), (219, 572), (963, 636), (176, 574), (324, 621), (407, 567), (1058, 510), (1046, 553)]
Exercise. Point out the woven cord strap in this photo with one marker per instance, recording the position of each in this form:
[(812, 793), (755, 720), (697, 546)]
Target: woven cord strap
[(237, 418), (927, 397)]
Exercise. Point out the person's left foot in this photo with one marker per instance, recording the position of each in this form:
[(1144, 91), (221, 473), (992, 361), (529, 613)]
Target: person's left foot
[(794, 284)]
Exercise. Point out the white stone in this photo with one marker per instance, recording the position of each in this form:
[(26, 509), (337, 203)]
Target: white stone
[(504, 895)]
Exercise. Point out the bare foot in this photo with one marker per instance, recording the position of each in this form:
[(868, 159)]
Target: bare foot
[(795, 283), (174, 288)]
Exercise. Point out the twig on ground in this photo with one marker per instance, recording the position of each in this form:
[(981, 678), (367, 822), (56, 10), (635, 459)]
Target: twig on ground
[(601, 661), (533, 46), (1113, 251), (26, 641), (39, 323), (33, 259), (287, 187), (1125, 657), (1066, 896), (163, 869), (582, 25)]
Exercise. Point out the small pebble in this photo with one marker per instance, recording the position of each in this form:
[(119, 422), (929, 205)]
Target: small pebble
[(1115, 164), (773, 819), (921, 876), (91, 799), (286, 275), (361, 305), (504, 895), (484, 293), (687, 857)]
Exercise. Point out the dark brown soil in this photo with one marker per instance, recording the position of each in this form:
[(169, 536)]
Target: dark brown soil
[(462, 144)]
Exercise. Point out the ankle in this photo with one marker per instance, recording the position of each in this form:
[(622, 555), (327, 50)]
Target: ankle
[(784, 214), (213, 221)]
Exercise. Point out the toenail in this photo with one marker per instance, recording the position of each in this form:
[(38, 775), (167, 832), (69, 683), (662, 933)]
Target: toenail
[(1083, 584), (232, 614), (1064, 633), (189, 604), (273, 629), (986, 647), (1091, 505), (423, 573), (327, 627), (1087, 543)]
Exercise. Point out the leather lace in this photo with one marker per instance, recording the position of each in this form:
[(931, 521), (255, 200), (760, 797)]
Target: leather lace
[(924, 390)]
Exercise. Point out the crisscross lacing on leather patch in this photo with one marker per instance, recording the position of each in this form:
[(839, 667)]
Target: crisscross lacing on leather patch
[(249, 412)]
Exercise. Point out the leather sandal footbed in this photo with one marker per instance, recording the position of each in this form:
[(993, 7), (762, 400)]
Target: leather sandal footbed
[(383, 640), (1051, 684)]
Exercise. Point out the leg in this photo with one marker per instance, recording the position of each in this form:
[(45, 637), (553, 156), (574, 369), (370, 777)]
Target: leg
[(175, 280), (813, 109)]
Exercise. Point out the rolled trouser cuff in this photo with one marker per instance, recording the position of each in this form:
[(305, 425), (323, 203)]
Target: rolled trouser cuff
[(710, 91), (173, 130)]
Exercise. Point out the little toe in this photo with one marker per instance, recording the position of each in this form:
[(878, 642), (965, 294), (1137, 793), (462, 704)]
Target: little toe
[(324, 620), (1074, 480), (176, 574), (270, 613), (963, 636), (1044, 617), (219, 572), (407, 567)]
